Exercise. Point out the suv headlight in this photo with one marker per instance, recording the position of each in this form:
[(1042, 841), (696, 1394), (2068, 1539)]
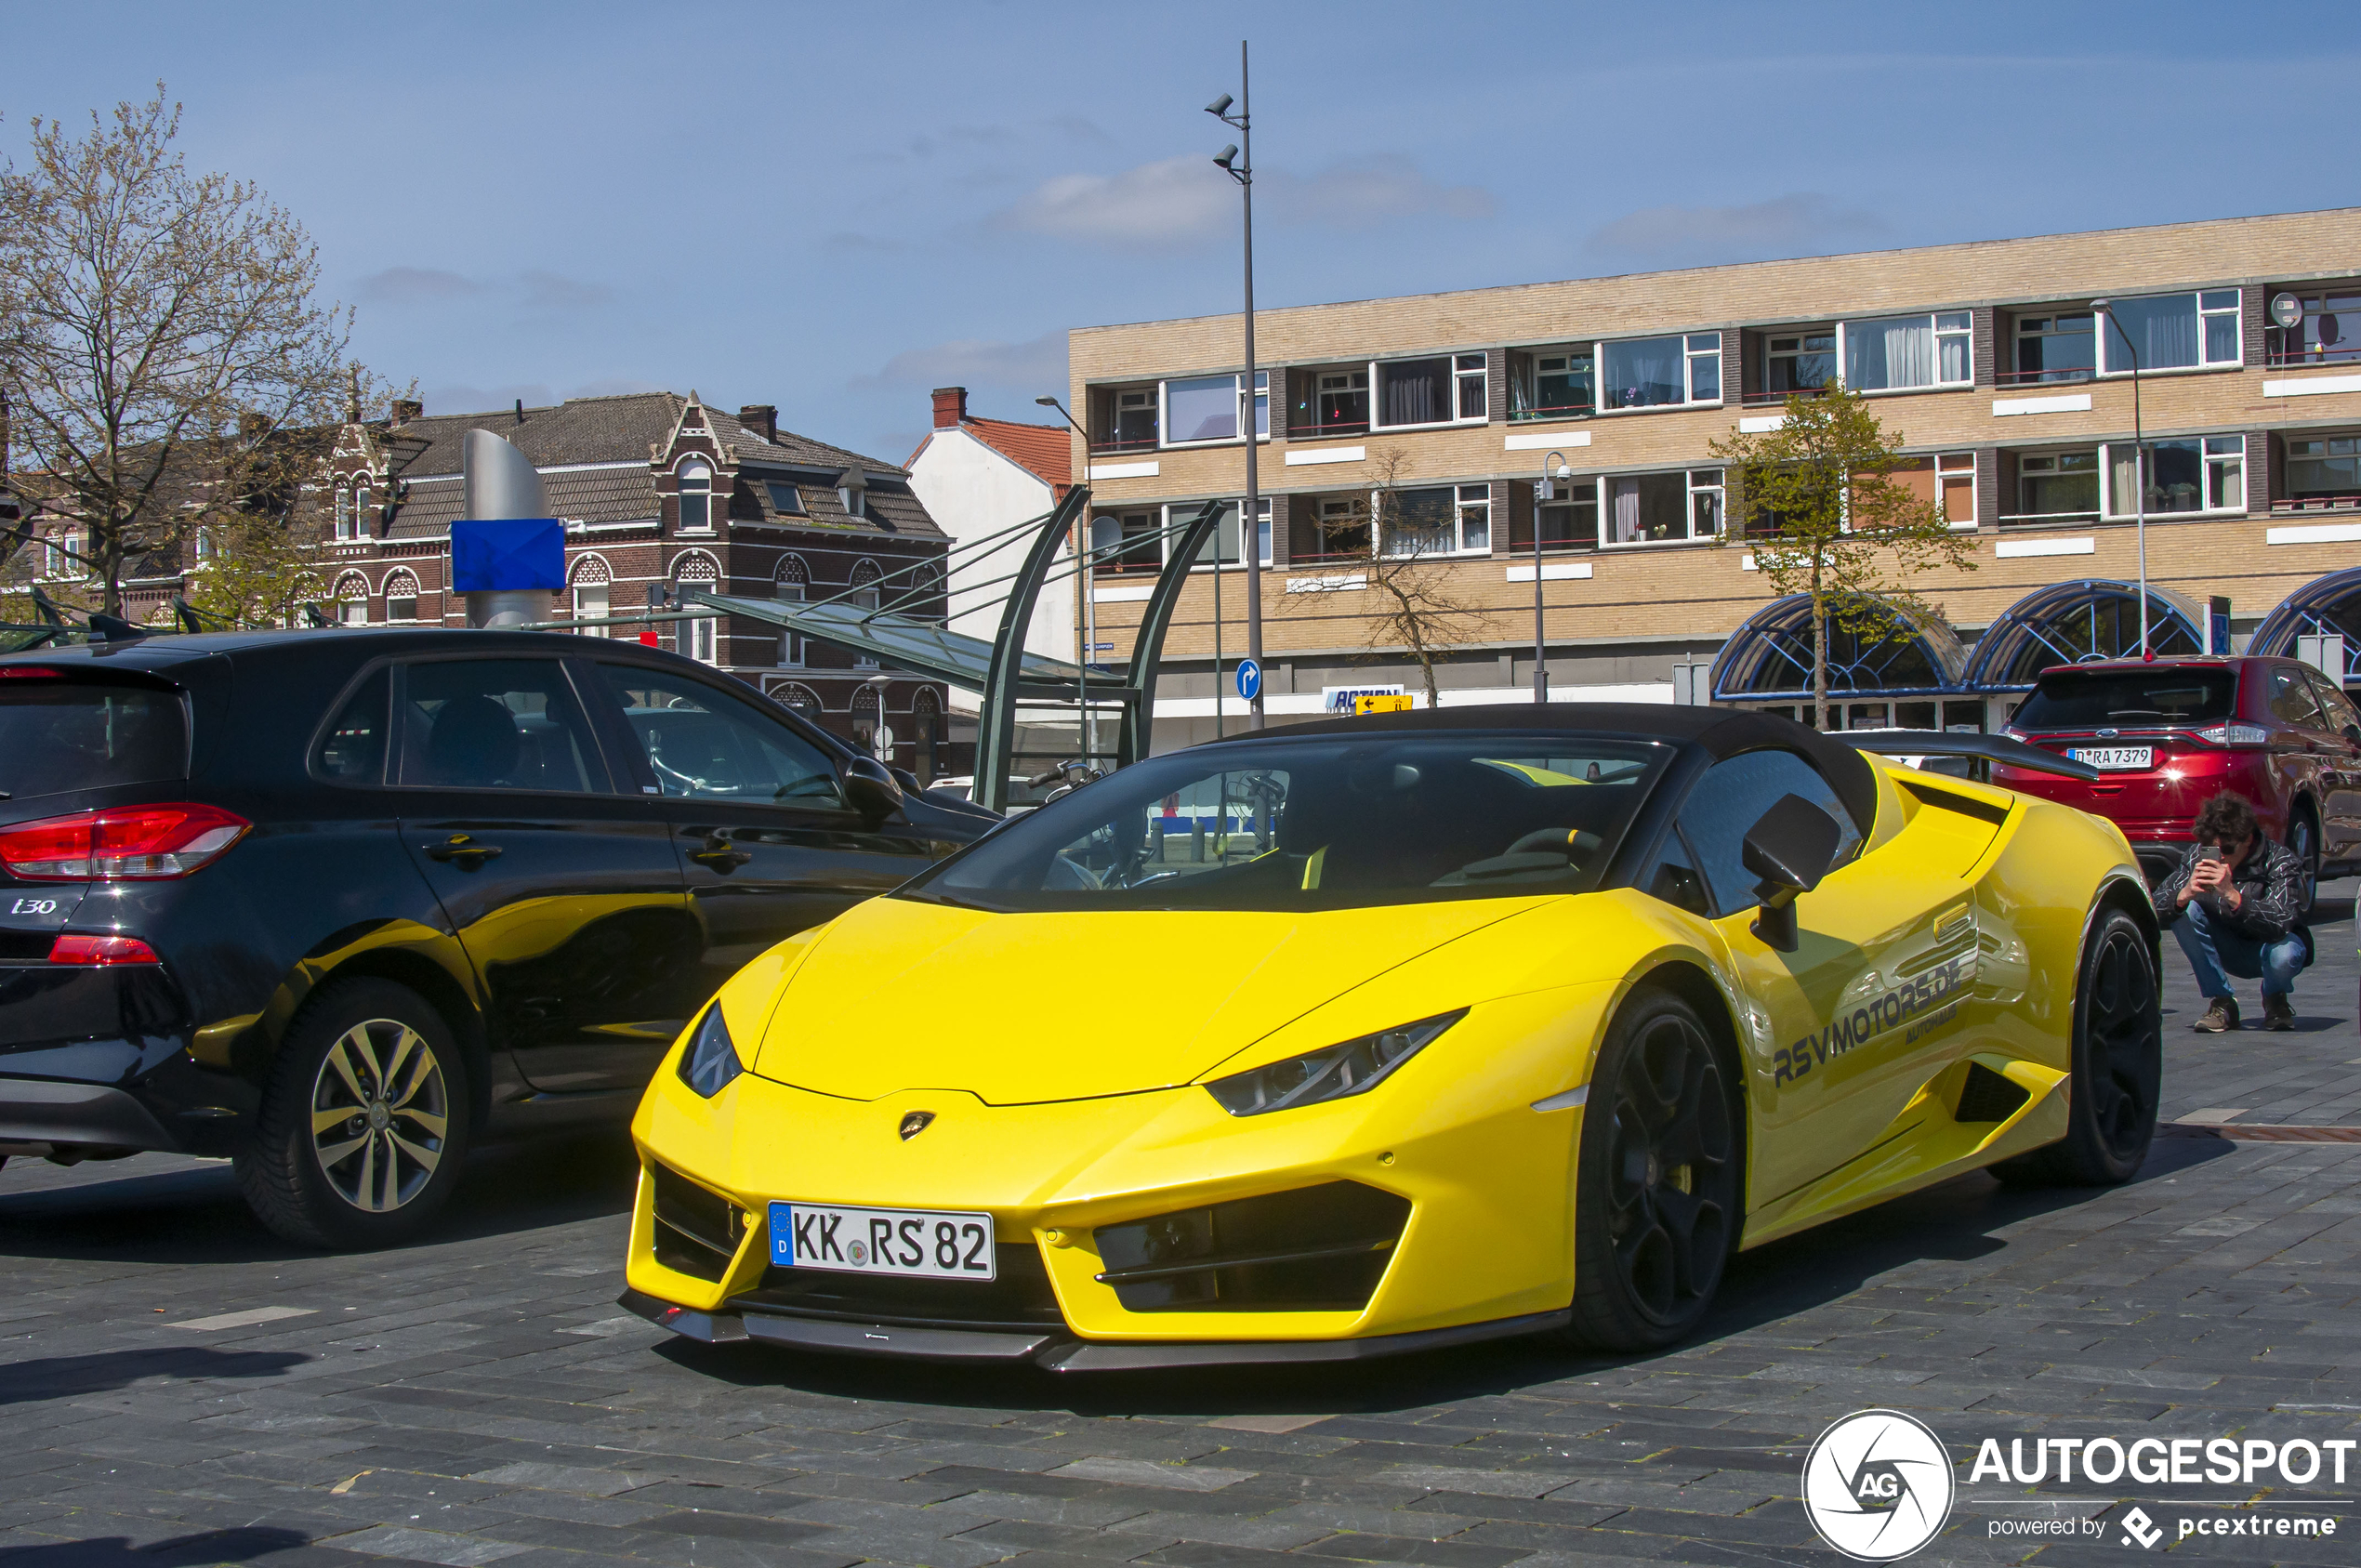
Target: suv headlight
[(1354, 1067), (711, 1059)]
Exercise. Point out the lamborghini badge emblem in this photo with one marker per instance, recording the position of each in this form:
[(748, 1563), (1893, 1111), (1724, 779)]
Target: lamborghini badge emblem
[(915, 1123)]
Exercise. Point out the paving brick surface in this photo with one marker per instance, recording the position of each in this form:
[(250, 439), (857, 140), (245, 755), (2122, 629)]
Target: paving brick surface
[(179, 1390)]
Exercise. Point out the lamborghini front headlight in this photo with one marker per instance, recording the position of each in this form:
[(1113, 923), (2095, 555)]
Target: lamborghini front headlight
[(711, 1059), (1354, 1067)]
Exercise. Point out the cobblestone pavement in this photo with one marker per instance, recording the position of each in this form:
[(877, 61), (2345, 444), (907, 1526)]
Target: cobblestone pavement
[(177, 1389)]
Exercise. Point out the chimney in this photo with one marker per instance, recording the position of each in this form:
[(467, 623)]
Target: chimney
[(762, 419), (520, 411), (408, 409), (950, 406)]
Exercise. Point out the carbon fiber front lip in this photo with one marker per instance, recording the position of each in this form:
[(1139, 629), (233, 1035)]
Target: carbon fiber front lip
[(1058, 1352)]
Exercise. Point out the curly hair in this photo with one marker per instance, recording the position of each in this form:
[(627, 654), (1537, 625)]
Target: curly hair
[(2225, 819)]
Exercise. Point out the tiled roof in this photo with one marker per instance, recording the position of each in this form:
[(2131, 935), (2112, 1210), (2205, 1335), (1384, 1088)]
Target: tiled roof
[(1043, 450)]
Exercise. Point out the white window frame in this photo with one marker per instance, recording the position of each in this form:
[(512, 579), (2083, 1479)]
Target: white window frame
[(1953, 465), (1956, 325), (1529, 384), (681, 496), (1694, 346), (1148, 398), (2098, 456), (2209, 463), (1695, 484), (793, 590), (2110, 341), (389, 595), (1465, 499), (1834, 352), (1180, 513), (364, 498), (1348, 374), (1464, 376), (2352, 438), (1262, 409), (2218, 457), (344, 513), (2064, 374), (583, 609), (865, 593)]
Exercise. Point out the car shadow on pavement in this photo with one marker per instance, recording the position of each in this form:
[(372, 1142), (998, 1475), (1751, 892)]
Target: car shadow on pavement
[(72, 1377), (189, 1211), (1956, 1221), (242, 1544)]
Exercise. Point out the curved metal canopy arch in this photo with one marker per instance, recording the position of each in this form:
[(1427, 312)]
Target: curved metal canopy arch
[(2328, 605), (2078, 622), (1769, 657)]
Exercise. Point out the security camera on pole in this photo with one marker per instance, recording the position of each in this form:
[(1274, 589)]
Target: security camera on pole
[(508, 554)]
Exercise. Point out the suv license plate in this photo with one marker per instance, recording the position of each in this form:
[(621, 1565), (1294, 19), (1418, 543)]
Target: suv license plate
[(913, 1243), (2113, 759)]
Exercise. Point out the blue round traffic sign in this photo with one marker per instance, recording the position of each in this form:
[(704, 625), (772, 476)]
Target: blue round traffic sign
[(1250, 679)]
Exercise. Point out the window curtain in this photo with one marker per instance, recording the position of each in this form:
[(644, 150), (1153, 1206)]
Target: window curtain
[(1417, 393), (1626, 511), (2164, 327), (1896, 352), (2123, 481), (1421, 521)]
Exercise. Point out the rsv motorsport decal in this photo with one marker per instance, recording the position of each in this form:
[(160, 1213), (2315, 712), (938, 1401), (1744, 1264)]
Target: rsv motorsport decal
[(1919, 1002)]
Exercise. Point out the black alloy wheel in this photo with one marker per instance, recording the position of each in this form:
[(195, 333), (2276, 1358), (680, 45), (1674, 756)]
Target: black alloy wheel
[(1658, 1182), (2304, 842), (2117, 1066)]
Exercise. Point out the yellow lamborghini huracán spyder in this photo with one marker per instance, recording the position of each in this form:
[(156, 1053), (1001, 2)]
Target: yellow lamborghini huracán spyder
[(1380, 1033)]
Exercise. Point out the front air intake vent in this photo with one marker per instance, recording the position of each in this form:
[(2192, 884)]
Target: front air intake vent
[(698, 1230), (1315, 1249), (1985, 1096)]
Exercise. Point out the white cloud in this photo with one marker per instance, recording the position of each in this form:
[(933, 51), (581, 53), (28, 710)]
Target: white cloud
[(535, 290), (416, 285), (554, 291), (1187, 199), (972, 361), (1801, 223)]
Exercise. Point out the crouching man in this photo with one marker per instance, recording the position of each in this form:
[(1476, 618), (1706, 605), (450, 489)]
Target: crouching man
[(2235, 901)]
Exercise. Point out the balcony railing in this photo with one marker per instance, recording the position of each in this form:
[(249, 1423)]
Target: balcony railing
[(2317, 504), (1317, 430), (2282, 358), (1108, 446), (2063, 377), (2046, 520), (1756, 400), (1582, 410)]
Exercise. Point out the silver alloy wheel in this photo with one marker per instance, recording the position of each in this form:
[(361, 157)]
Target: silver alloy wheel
[(379, 1114)]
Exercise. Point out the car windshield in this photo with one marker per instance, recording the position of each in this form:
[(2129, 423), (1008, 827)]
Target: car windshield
[(2128, 699), (1326, 821)]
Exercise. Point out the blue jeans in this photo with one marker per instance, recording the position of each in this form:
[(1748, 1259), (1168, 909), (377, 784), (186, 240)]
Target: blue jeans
[(2216, 953)]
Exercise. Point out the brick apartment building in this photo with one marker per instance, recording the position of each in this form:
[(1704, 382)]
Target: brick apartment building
[(1986, 359), (657, 492)]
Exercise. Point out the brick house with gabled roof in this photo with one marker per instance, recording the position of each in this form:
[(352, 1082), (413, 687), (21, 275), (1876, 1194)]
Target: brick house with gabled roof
[(658, 491)]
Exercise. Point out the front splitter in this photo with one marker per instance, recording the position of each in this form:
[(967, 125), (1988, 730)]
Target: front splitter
[(1057, 1351)]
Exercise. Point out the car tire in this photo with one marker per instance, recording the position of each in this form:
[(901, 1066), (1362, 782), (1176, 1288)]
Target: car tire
[(380, 1054), (2117, 1067), (1657, 1179), (2304, 842)]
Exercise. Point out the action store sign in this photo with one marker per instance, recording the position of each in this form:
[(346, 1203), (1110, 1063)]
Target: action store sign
[(1879, 1485)]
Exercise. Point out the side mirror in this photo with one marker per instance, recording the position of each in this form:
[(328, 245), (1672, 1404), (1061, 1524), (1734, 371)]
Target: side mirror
[(1789, 846), (871, 789)]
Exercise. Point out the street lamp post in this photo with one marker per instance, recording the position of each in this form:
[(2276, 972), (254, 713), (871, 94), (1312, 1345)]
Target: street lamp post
[(1239, 165), (1553, 467), (1086, 560), (2139, 465)]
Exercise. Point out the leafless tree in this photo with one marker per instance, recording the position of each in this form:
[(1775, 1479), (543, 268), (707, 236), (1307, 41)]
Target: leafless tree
[(1402, 557), (159, 339)]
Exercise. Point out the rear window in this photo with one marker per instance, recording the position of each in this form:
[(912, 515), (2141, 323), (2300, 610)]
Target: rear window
[(2130, 699), (56, 737)]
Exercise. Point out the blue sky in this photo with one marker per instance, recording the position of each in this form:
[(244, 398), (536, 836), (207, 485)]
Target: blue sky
[(836, 209)]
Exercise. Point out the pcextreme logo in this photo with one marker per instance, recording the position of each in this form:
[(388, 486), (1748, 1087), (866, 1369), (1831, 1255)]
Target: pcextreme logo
[(1878, 1486)]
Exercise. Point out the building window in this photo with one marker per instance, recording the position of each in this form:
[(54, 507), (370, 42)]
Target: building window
[(1801, 361), (352, 601), (1557, 384), (785, 499), (344, 513), (1954, 488), (2058, 484), (1224, 537), (1343, 527), (1340, 405), (1204, 408), (1124, 542), (1660, 372), (1568, 517), (2325, 468), (1468, 372), (1136, 420), (793, 587), (863, 596), (2054, 347), (1902, 352), (362, 505), (1665, 508), (2172, 331), (590, 604), (401, 598), (2331, 331), (205, 546), (695, 485), (2200, 475)]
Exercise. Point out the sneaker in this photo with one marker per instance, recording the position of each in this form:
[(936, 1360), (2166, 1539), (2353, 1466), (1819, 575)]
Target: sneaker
[(2278, 1013), (2221, 1018)]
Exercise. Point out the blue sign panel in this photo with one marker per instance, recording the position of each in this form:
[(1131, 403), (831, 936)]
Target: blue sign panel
[(1250, 679), (506, 554)]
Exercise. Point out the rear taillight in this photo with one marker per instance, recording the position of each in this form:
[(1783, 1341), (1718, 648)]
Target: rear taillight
[(72, 947), (27, 672), (2235, 734), (140, 843)]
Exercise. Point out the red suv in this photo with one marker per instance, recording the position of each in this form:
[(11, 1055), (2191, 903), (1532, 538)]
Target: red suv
[(2167, 733)]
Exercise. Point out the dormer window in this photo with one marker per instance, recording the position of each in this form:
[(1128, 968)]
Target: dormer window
[(852, 492), (694, 481), (344, 513), (362, 526), (785, 499)]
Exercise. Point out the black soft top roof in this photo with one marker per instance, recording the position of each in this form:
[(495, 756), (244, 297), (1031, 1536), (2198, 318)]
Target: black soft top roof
[(1718, 732)]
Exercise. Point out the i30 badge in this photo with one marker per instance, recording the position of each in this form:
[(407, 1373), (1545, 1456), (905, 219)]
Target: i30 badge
[(915, 1123)]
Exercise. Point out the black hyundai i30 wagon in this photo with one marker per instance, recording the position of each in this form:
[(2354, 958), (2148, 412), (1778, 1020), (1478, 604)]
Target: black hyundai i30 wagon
[(336, 904)]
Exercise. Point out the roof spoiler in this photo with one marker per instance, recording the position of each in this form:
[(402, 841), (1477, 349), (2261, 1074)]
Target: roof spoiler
[(1949, 742)]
